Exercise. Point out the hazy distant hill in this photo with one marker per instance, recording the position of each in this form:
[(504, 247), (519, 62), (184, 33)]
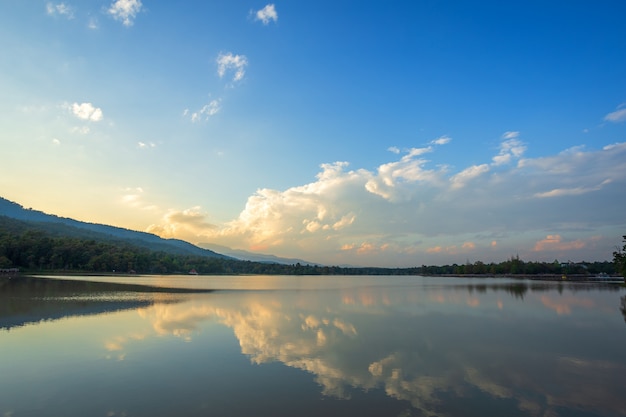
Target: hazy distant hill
[(62, 226), (254, 257)]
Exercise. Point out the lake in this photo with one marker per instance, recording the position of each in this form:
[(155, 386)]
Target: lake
[(310, 346)]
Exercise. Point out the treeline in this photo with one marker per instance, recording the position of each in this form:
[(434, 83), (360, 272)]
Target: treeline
[(32, 249), (516, 266)]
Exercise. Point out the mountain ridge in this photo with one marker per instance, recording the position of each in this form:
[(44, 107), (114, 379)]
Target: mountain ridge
[(254, 257), (67, 226)]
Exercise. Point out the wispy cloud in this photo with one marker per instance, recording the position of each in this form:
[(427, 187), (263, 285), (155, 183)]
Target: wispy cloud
[(60, 9), (617, 116), (208, 110), (462, 178), (561, 192), (442, 140), (86, 111), (134, 197), (92, 23), (125, 10), (267, 14), (230, 62), (81, 130), (555, 242), (510, 135), (146, 145)]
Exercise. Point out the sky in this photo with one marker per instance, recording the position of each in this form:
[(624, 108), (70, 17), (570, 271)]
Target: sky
[(369, 133)]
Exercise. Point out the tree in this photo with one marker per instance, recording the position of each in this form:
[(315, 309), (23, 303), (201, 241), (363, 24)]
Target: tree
[(619, 258)]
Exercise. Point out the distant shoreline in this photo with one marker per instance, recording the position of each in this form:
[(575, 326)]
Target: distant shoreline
[(565, 278)]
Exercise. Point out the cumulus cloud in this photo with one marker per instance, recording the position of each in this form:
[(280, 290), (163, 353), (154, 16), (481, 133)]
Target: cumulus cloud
[(229, 62), (60, 9), (267, 14), (189, 224), (617, 116), (509, 149), (411, 210), (125, 10), (86, 111)]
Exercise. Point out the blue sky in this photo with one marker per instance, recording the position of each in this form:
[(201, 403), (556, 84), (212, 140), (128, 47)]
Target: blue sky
[(350, 132)]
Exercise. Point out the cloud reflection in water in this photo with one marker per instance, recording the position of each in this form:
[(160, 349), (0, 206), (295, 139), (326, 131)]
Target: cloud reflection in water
[(423, 346)]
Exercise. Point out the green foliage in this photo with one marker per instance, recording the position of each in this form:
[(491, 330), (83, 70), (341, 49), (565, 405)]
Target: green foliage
[(619, 258)]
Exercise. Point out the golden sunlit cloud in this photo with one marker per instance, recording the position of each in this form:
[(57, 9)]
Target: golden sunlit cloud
[(392, 214), (436, 249), (554, 242)]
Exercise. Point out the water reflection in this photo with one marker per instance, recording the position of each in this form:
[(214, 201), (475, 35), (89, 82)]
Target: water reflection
[(425, 349), (27, 300), (432, 348)]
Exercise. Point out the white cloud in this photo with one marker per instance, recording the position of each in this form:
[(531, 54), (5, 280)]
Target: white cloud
[(560, 192), (236, 63), (441, 140), (61, 9), (208, 110), (510, 135), (459, 180), (509, 149), (56, 142), (134, 197), (393, 149), (267, 14), (144, 145), (408, 212), (617, 116), (86, 111), (396, 181), (81, 130), (125, 10), (186, 224)]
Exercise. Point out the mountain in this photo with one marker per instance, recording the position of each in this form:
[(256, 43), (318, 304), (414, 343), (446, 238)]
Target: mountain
[(254, 257), (62, 226)]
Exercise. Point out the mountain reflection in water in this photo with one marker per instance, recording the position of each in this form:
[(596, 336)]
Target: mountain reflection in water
[(527, 349)]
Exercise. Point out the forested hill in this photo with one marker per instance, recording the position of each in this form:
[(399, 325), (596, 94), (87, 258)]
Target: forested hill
[(62, 226)]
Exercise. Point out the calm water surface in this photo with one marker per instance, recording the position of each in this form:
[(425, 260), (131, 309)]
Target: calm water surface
[(310, 346)]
